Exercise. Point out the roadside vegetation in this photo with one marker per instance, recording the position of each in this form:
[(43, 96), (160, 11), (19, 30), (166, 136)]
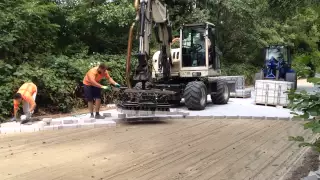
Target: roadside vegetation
[(54, 42)]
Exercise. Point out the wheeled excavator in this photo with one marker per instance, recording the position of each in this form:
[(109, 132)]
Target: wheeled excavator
[(191, 71)]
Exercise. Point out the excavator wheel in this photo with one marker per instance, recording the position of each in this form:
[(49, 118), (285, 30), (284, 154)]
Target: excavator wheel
[(195, 95), (222, 95)]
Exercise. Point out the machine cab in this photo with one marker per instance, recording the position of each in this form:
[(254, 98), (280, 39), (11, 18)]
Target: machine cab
[(277, 58), (199, 51)]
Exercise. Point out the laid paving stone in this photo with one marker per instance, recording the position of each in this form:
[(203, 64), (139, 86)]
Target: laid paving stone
[(107, 114), (56, 122), (87, 125), (70, 126), (104, 124), (121, 116), (245, 117), (11, 124), (219, 117), (259, 117), (71, 121), (10, 130), (47, 120), (271, 118), (28, 128), (232, 117)]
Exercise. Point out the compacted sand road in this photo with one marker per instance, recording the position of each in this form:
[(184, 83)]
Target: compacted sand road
[(178, 149)]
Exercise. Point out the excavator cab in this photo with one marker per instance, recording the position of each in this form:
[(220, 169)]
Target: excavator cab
[(200, 56)]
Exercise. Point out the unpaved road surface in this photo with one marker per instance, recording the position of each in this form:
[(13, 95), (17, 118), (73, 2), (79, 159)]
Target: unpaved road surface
[(177, 149)]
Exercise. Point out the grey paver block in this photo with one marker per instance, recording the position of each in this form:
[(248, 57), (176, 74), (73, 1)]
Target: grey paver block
[(284, 118), (48, 128), (232, 117), (28, 128), (107, 114), (272, 118), (220, 117), (10, 130), (87, 125), (47, 120), (71, 121), (70, 126), (245, 117), (104, 124), (192, 117), (56, 122), (11, 124), (121, 116), (259, 117)]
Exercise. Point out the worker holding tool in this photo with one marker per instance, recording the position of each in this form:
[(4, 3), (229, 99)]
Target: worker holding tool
[(27, 94), (92, 87)]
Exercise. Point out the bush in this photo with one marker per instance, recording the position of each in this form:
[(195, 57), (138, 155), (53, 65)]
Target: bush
[(58, 78)]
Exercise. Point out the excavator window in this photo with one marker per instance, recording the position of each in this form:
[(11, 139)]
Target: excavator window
[(193, 47)]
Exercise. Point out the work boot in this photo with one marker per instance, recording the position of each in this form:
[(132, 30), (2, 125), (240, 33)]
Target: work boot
[(98, 116)]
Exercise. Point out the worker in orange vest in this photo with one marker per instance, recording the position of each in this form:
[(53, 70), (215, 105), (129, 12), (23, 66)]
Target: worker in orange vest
[(27, 94), (92, 87)]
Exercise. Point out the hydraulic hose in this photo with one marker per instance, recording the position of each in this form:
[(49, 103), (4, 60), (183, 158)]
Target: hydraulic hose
[(129, 49)]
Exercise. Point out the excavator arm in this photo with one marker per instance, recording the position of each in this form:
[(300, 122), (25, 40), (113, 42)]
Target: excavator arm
[(150, 14)]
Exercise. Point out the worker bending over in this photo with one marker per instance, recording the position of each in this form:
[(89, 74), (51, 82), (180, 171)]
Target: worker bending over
[(92, 87), (27, 94)]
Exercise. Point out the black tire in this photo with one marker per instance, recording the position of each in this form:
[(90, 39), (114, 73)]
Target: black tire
[(195, 95), (222, 95), (292, 77), (139, 85)]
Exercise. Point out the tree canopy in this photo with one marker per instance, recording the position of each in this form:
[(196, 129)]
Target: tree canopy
[(53, 42)]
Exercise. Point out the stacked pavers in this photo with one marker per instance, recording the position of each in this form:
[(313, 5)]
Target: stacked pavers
[(56, 124)]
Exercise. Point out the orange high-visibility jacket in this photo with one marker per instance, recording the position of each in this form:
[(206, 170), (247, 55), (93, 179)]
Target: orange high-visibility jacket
[(26, 90), (95, 75)]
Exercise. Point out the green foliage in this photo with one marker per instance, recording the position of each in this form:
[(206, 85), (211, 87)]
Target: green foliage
[(309, 106), (53, 43)]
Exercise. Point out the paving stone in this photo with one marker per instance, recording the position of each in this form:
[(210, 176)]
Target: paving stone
[(10, 130), (70, 126), (107, 114), (259, 117), (220, 117), (271, 118), (28, 128), (192, 117), (245, 117), (88, 120), (11, 124), (87, 125), (121, 116), (104, 124), (284, 118), (56, 122), (71, 121), (313, 177), (47, 120), (232, 117), (48, 128)]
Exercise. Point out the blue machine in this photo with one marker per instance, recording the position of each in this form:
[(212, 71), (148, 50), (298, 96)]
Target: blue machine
[(277, 66)]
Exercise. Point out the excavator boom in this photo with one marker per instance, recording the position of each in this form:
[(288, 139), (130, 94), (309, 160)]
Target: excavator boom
[(150, 14)]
